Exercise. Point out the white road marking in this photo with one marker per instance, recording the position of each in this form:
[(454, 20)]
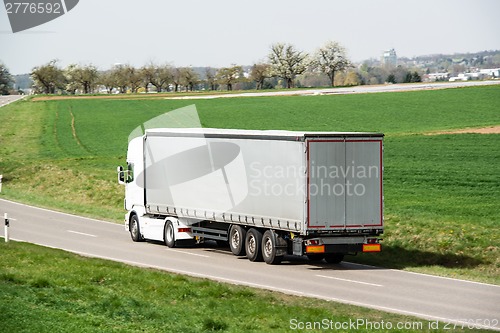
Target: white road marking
[(193, 254), (423, 274), (81, 233), (347, 280)]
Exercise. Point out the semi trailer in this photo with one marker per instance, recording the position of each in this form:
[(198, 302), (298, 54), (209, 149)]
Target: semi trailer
[(266, 194)]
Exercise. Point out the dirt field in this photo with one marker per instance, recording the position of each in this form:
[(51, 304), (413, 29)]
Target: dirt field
[(484, 130)]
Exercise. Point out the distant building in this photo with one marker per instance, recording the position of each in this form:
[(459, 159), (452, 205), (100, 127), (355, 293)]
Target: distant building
[(436, 77), (478, 74), (390, 58), (490, 72)]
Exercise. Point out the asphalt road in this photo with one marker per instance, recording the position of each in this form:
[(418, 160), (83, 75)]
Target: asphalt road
[(420, 295), (351, 90), (4, 100)]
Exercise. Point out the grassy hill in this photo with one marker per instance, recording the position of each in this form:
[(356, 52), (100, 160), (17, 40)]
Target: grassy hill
[(442, 193)]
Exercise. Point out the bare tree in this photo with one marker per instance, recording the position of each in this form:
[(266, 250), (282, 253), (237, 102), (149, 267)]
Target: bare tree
[(127, 77), (330, 59), (134, 77), (158, 75), (189, 77), (210, 78), (287, 62), (109, 80), (229, 75), (47, 78), (176, 78), (259, 73), (119, 73)]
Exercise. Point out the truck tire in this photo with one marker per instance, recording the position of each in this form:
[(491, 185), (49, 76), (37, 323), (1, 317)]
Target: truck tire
[(253, 245), (169, 234), (135, 232), (236, 240), (334, 258), (269, 249)]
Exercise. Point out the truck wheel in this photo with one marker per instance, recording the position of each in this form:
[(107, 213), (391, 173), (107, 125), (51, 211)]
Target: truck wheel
[(269, 249), (237, 236), (334, 258), (135, 232), (253, 245), (169, 234)]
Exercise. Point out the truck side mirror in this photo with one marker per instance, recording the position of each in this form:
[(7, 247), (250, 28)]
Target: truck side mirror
[(121, 175)]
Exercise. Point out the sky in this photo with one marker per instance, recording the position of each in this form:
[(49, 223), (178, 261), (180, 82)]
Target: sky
[(219, 33)]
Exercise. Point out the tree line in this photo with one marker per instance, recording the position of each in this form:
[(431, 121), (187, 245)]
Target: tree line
[(285, 66)]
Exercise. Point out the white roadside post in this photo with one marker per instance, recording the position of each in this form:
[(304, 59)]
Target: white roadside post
[(6, 228), (1, 176)]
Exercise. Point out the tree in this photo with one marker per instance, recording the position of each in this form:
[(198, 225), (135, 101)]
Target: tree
[(84, 77), (133, 77), (189, 77), (416, 77), (329, 59), (229, 75), (352, 79), (259, 73), (6, 80), (159, 76), (176, 78), (408, 77), (287, 62), (109, 80), (48, 78), (210, 78), (127, 76)]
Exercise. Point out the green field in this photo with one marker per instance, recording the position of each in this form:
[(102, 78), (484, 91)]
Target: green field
[(442, 193)]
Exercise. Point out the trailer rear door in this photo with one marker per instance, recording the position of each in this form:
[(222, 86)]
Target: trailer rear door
[(344, 181)]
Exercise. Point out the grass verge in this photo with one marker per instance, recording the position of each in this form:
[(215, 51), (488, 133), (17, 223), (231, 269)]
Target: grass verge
[(47, 290)]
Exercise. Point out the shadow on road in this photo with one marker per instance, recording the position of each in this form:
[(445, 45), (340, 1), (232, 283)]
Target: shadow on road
[(391, 257), (400, 258)]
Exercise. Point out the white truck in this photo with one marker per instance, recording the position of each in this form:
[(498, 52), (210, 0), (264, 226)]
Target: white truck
[(266, 194)]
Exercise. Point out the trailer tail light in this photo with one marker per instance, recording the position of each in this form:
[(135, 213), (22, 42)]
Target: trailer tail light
[(313, 242), (371, 248), (315, 249), (184, 230)]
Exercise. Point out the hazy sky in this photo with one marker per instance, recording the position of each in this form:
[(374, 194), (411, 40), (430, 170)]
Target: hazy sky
[(221, 32)]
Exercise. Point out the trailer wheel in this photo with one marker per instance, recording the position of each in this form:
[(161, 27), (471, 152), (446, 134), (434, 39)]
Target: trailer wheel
[(169, 234), (334, 258), (135, 232), (253, 245), (269, 249), (237, 236)]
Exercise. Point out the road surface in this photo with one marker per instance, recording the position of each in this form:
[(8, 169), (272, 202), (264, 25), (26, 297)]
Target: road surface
[(350, 90), (419, 295), (4, 100)]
